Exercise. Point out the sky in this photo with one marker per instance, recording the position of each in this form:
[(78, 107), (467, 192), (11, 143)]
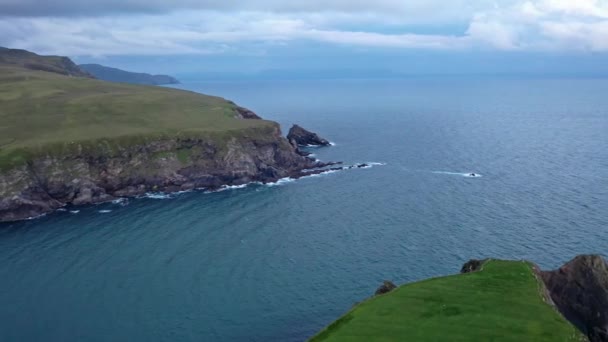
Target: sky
[(382, 37)]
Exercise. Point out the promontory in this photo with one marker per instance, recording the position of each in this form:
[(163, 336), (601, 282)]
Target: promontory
[(69, 139)]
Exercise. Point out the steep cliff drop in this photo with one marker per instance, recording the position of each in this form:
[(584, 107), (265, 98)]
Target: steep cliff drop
[(579, 289), (69, 139)]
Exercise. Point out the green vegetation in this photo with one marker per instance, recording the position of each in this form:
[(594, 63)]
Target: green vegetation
[(48, 113), (503, 302)]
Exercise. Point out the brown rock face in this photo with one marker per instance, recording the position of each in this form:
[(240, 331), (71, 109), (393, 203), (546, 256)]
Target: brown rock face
[(579, 289)]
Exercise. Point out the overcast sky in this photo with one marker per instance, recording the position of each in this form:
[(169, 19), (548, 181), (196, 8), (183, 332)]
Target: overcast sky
[(273, 31)]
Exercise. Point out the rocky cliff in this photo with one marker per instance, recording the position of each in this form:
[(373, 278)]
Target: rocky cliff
[(68, 140), (85, 174), (579, 289)]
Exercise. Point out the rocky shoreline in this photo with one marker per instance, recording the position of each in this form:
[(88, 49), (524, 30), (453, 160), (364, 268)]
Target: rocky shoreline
[(168, 164)]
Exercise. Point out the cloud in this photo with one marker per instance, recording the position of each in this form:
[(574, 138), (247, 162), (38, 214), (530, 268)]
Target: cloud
[(61, 8), (253, 27), (553, 25)]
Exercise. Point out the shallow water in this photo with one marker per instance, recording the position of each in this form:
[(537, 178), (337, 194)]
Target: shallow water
[(277, 263)]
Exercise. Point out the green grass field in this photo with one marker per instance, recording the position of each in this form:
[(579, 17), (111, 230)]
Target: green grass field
[(41, 110), (500, 303)]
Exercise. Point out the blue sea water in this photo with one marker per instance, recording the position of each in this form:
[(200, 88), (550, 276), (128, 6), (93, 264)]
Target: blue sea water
[(278, 263)]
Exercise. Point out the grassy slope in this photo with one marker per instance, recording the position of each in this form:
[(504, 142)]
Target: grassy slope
[(40, 110), (500, 303)]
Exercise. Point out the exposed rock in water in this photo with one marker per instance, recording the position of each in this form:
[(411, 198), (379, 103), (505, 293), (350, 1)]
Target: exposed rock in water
[(298, 136), (386, 287), (579, 289), (472, 265), (93, 174)]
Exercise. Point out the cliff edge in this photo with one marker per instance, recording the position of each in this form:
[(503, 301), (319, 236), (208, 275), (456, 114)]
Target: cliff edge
[(74, 140)]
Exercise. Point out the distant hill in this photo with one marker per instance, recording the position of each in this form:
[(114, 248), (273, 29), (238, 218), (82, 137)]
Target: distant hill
[(29, 60), (116, 75)]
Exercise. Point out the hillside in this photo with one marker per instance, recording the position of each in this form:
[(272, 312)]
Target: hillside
[(116, 75), (503, 302), (40, 108), (73, 141), (29, 60)]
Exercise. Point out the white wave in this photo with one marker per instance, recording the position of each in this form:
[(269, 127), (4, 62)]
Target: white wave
[(104, 211), (62, 209), (281, 181), (121, 201), (35, 217), (369, 165), (462, 174), (231, 187), (74, 211), (158, 195), (331, 143)]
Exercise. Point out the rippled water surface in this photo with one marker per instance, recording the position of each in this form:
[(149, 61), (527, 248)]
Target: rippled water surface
[(277, 263)]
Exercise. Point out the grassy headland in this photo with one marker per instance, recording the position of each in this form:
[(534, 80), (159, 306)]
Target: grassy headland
[(503, 302), (43, 111)]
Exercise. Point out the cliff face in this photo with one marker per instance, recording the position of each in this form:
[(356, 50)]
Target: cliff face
[(86, 174), (579, 289)]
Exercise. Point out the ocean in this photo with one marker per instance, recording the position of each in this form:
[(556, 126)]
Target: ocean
[(279, 262)]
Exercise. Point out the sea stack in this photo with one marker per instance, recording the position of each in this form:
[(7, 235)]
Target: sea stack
[(299, 136)]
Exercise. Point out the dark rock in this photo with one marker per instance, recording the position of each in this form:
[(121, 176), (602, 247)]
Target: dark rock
[(579, 289), (302, 153), (49, 182), (362, 166), (245, 113), (386, 287), (472, 265), (298, 136)]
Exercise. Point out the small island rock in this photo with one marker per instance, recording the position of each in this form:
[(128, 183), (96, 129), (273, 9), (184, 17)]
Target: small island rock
[(300, 137)]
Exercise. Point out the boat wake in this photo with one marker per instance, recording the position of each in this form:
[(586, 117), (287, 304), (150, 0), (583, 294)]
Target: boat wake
[(461, 174)]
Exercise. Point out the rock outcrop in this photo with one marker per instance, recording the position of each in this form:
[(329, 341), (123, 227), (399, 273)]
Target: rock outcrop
[(386, 287), (472, 265), (85, 174), (245, 113), (298, 136), (579, 289)]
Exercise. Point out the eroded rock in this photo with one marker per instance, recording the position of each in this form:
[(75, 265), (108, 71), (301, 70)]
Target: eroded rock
[(299, 136), (579, 289)]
